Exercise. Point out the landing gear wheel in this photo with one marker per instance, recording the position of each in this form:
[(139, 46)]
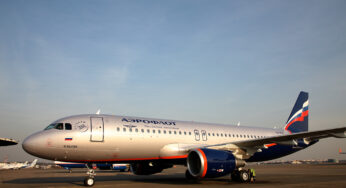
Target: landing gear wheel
[(89, 181), (244, 176)]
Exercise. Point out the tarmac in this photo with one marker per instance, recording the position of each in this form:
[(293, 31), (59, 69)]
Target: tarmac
[(301, 175)]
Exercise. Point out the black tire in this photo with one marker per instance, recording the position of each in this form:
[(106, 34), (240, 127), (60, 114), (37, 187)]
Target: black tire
[(244, 176), (89, 182)]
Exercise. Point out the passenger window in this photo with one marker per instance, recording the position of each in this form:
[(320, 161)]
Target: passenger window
[(148, 131), (225, 135), (184, 132), (124, 129), (175, 132), (189, 133), (217, 134), (159, 131), (59, 126), (170, 132), (221, 135), (130, 129), (213, 134), (118, 129), (154, 131), (142, 130), (179, 132), (208, 134), (164, 132), (136, 130), (68, 126)]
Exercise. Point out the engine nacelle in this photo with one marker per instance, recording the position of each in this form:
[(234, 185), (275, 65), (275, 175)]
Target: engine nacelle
[(148, 168), (210, 163)]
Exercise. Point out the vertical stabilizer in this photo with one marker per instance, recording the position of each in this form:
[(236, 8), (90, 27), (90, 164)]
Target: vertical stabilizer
[(298, 119)]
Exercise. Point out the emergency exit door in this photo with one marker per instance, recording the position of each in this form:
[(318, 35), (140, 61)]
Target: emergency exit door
[(97, 129)]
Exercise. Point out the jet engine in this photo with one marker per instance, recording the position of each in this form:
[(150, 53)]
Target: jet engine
[(148, 168), (210, 163)]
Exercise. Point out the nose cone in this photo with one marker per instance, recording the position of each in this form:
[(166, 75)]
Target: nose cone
[(32, 144)]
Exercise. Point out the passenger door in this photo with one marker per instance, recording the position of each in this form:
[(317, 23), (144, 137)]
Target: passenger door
[(97, 129)]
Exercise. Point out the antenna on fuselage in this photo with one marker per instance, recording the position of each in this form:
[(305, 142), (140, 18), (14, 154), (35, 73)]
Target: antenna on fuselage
[(98, 111)]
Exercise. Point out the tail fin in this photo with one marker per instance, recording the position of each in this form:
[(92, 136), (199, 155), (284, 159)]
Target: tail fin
[(33, 163), (340, 151), (298, 119)]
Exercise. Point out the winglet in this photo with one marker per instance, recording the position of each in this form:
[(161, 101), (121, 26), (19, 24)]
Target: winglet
[(98, 111)]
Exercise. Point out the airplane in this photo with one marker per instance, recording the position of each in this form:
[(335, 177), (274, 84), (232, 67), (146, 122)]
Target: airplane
[(340, 151), (16, 166), (102, 166), (152, 145)]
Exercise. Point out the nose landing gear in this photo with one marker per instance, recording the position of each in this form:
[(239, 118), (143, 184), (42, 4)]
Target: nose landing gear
[(90, 180)]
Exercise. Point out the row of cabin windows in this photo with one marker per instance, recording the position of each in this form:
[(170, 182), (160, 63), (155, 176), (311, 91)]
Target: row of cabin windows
[(235, 135), (188, 133), (154, 131)]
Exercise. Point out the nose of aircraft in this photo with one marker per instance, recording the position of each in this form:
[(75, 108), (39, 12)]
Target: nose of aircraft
[(32, 144)]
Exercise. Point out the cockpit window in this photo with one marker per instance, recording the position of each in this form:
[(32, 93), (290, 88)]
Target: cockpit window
[(59, 126), (51, 126), (68, 126)]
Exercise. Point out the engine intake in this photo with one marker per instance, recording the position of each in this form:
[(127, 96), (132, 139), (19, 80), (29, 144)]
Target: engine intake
[(210, 163)]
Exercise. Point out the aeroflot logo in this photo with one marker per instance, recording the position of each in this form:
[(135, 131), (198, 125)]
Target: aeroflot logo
[(149, 121)]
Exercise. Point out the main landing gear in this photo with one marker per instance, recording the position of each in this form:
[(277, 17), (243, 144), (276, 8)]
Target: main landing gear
[(241, 175), (90, 180)]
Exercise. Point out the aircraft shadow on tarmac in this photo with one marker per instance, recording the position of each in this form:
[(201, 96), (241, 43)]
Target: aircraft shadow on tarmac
[(172, 179)]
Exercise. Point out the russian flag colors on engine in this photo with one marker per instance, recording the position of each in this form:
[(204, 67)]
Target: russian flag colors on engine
[(68, 139)]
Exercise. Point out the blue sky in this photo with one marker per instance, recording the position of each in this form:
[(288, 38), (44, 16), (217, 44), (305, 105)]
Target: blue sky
[(210, 61)]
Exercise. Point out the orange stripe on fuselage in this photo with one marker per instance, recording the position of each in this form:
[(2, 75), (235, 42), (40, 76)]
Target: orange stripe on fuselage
[(133, 159), (174, 157), (205, 163)]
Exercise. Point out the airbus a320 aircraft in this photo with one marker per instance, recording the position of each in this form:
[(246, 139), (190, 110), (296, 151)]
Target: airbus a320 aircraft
[(151, 145)]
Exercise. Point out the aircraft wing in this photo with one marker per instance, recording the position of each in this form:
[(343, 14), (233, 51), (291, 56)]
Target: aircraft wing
[(308, 136), (245, 149)]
